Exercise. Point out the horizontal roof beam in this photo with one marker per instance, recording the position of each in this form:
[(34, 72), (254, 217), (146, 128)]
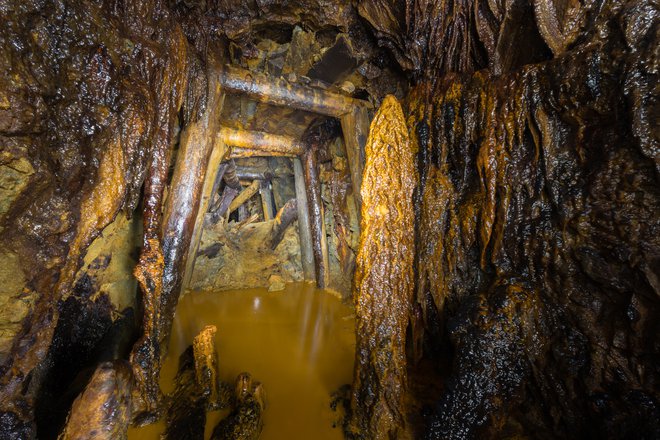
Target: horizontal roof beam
[(279, 91), (247, 143)]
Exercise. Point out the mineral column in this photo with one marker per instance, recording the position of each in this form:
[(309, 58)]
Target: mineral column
[(384, 276)]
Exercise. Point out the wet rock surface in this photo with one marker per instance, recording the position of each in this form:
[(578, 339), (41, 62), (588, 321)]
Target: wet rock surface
[(384, 281), (534, 252), (536, 215), (103, 410), (536, 241), (244, 422)]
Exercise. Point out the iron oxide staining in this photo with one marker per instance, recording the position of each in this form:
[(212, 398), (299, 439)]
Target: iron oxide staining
[(528, 256), (103, 410), (384, 281)]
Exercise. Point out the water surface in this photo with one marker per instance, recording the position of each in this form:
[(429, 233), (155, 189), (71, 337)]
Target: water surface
[(299, 343)]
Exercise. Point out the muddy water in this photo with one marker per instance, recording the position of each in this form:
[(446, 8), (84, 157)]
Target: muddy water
[(298, 342)]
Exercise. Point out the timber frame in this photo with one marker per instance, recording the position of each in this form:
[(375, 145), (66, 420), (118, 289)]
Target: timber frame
[(354, 116)]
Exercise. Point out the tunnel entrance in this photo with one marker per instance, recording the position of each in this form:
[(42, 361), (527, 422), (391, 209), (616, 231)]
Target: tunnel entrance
[(302, 172), (270, 261)]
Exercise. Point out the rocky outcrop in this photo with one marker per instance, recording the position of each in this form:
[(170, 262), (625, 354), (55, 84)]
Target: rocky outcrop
[(539, 200)]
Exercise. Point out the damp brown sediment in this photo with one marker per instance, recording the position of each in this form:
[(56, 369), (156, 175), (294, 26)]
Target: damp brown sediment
[(384, 281)]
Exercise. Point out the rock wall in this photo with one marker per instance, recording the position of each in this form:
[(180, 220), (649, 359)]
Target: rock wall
[(79, 106), (537, 221)]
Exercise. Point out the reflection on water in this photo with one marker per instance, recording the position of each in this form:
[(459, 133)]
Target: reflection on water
[(299, 343)]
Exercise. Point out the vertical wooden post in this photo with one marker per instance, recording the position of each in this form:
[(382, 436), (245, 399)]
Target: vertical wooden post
[(304, 232), (317, 222), (211, 183), (266, 199), (182, 206), (355, 127)]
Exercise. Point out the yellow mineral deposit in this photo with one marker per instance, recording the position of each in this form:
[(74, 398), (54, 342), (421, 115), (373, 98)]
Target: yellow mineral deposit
[(384, 275)]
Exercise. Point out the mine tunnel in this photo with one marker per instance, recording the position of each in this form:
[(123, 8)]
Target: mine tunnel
[(324, 219)]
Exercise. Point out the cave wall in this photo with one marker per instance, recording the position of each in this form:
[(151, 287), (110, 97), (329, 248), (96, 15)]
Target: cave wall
[(536, 208), (537, 213), (82, 119), (93, 97)]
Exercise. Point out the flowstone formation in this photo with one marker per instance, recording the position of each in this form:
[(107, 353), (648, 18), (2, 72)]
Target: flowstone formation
[(384, 281), (537, 247)]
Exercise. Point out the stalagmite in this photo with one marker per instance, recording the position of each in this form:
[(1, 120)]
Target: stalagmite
[(384, 280)]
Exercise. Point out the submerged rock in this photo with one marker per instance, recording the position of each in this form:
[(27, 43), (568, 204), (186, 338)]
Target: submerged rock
[(245, 421)]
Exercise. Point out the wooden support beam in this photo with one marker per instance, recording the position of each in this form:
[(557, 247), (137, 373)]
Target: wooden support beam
[(244, 196), (250, 173), (219, 209), (285, 216), (179, 216), (231, 178), (355, 127), (260, 143), (266, 199), (304, 231), (239, 153), (278, 91), (243, 214), (218, 179), (211, 183), (316, 216)]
